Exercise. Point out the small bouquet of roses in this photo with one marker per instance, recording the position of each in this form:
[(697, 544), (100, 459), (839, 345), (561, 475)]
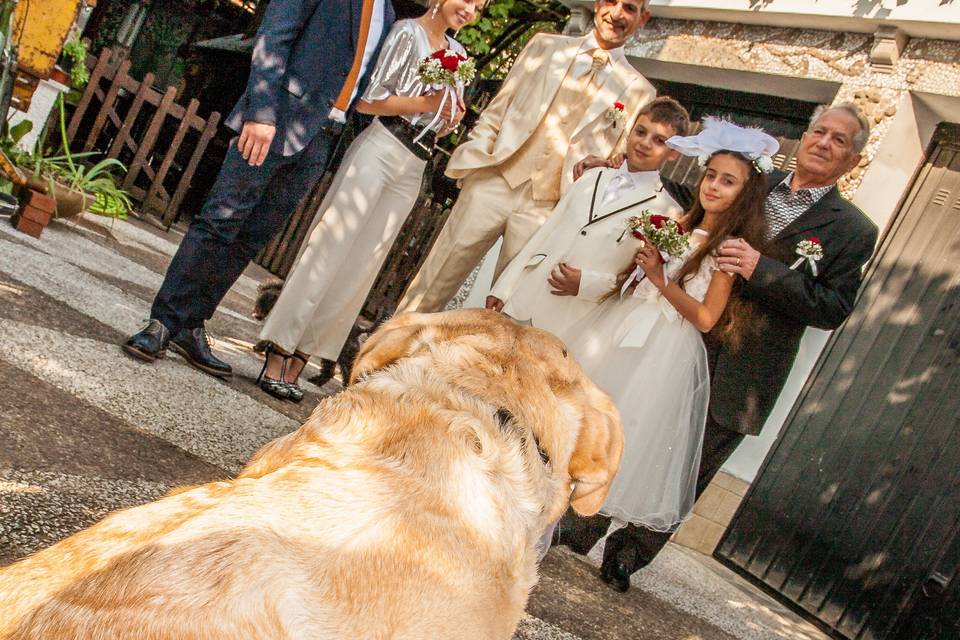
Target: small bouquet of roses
[(810, 252), (666, 234), (448, 71)]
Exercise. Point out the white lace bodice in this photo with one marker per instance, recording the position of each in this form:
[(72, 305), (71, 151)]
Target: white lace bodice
[(695, 286)]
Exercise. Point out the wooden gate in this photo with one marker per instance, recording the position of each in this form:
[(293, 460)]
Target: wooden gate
[(125, 118), (855, 515)]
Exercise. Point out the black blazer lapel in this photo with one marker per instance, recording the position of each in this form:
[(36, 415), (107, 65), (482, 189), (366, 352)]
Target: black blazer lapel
[(618, 210)]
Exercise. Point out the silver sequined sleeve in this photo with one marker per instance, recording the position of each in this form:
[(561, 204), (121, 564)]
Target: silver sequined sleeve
[(395, 73)]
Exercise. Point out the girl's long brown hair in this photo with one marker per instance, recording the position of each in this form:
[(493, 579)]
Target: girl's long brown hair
[(746, 218)]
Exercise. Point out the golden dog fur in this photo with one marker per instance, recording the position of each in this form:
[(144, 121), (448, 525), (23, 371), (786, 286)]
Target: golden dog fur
[(405, 507)]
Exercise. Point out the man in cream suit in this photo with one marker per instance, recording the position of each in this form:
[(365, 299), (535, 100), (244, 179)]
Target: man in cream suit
[(559, 102), (572, 262)]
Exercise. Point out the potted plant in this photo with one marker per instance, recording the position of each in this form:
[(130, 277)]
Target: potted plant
[(78, 188), (71, 69), (75, 186)]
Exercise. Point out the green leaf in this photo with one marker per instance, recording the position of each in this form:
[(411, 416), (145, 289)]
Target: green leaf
[(19, 130)]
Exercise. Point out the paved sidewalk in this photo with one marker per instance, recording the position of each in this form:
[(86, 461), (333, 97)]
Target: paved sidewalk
[(86, 430)]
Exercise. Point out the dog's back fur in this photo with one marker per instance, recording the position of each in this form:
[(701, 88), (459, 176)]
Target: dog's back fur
[(407, 506)]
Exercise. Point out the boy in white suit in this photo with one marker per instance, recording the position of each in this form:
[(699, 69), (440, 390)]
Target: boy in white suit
[(573, 260)]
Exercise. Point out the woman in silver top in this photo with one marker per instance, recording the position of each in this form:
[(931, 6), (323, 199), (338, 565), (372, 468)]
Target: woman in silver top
[(371, 195)]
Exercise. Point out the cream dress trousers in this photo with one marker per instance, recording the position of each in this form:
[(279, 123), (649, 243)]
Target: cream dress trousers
[(371, 195)]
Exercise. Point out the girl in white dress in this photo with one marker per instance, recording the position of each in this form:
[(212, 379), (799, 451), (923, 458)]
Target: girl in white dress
[(371, 195), (645, 348)]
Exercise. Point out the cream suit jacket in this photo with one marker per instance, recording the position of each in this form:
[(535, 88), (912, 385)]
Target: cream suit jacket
[(529, 89), (586, 235)]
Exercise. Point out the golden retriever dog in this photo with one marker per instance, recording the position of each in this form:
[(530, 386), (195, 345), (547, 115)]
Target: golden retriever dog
[(408, 506)]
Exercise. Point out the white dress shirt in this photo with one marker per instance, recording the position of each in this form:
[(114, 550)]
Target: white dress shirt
[(373, 39), (625, 181)]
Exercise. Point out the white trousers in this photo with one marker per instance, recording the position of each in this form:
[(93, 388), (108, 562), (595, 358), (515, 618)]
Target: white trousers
[(371, 195), (486, 210)]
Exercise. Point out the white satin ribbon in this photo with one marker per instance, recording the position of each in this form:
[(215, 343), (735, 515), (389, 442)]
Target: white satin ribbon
[(638, 275), (810, 260), (448, 93)]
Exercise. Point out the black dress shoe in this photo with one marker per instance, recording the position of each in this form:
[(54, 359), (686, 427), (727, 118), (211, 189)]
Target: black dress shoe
[(580, 534), (616, 575), (150, 343), (194, 346)]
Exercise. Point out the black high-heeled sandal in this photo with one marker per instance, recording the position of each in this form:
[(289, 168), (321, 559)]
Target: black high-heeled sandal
[(296, 391), (276, 388)]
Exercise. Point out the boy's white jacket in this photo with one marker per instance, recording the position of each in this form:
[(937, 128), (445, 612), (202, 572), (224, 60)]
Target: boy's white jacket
[(586, 235)]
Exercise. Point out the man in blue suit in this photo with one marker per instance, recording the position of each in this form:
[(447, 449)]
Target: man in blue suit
[(309, 62)]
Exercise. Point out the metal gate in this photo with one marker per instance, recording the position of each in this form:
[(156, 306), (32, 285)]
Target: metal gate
[(855, 515)]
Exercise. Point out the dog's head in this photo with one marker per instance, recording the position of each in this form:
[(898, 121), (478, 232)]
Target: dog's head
[(528, 372)]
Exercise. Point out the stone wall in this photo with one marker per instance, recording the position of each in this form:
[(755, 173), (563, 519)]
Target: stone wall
[(874, 71)]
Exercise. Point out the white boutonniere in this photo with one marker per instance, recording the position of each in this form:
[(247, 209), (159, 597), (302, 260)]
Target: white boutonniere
[(810, 252), (616, 114)]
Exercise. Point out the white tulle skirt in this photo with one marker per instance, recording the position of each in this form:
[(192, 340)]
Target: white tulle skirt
[(661, 388)]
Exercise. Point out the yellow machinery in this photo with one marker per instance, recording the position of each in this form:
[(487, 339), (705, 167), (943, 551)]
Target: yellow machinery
[(40, 28)]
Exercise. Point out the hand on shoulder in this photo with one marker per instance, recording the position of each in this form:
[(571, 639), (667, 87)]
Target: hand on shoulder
[(592, 162)]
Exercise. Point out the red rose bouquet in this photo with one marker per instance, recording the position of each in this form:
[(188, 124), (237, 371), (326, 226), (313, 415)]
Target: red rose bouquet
[(666, 234), (448, 71)]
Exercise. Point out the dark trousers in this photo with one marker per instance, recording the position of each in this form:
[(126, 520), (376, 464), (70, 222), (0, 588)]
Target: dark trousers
[(245, 208), (636, 547)]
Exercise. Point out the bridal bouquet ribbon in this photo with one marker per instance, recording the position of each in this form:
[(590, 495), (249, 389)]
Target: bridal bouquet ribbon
[(810, 252), (666, 234), (448, 71)]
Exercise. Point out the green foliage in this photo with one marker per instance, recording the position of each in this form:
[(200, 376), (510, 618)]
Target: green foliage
[(76, 51), (505, 27)]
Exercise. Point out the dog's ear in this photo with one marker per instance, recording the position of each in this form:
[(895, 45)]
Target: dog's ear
[(596, 455), (396, 339)]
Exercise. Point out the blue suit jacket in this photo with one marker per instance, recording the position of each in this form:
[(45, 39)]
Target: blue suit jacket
[(301, 57)]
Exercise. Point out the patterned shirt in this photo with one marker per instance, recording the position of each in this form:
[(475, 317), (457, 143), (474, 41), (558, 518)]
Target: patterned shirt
[(783, 205)]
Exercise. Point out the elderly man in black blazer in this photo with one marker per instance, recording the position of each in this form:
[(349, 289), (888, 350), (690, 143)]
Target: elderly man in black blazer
[(788, 292), (308, 65)]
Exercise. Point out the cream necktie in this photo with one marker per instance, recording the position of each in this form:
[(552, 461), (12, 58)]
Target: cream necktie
[(599, 61)]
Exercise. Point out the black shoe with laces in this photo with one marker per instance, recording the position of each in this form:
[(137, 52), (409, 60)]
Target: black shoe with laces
[(194, 346), (149, 343)]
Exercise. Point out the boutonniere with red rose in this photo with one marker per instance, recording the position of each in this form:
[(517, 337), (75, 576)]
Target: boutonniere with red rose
[(666, 234), (810, 252), (448, 71), (616, 114)]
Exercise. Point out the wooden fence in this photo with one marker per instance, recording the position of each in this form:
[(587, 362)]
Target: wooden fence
[(114, 117)]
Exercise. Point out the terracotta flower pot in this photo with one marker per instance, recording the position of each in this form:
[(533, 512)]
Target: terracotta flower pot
[(60, 75), (70, 202)]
